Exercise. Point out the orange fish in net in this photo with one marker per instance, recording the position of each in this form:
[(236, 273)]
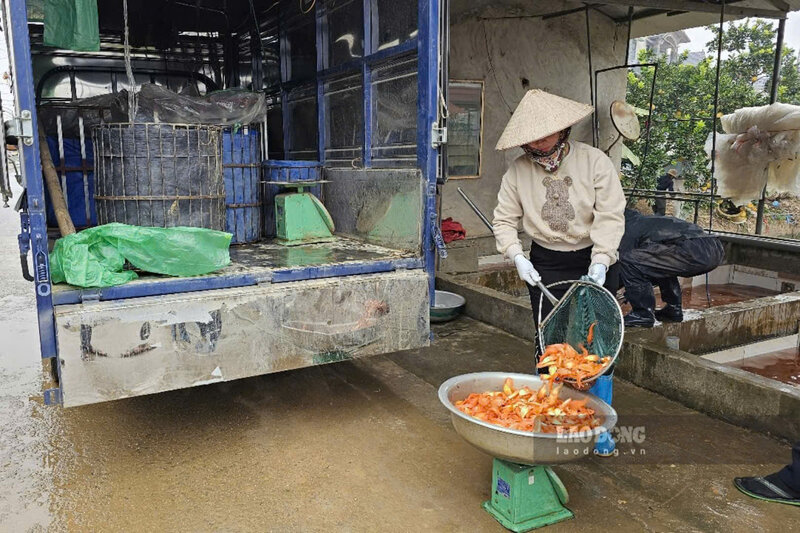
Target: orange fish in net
[(565, 363)]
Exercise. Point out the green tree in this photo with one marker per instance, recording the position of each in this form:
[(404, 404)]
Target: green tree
[(683, 103)]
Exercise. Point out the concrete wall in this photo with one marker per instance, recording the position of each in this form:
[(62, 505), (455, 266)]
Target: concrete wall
[(512, 56)]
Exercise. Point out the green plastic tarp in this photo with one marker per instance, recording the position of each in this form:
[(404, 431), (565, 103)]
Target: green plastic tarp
[(95, 257), (71, 25)]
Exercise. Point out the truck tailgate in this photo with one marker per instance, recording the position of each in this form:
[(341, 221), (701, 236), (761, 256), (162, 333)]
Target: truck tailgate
[(122, 348)]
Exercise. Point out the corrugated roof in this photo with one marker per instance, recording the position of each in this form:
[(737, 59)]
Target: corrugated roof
[(649, 16)]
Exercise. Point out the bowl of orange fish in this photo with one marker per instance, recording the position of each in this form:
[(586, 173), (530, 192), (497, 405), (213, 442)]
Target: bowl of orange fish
[(524, 419)]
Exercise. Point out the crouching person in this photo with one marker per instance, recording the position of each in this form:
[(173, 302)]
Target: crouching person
[(656, 250)]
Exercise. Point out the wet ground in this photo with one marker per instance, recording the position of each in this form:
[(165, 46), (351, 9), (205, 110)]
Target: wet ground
[(353, 446)]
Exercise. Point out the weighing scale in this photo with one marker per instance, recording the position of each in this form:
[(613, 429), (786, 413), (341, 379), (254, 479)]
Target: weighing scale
[(526, 493), (300, 218)]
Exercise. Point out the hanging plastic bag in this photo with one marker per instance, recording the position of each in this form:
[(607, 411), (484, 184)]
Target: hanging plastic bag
[(222, 108), (71, 25), (95, 257)]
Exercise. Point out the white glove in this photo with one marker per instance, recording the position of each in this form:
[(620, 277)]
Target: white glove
[(597, 273), (525, 270)]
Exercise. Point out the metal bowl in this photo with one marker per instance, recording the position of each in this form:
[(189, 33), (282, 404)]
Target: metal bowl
[(521, 446), (448, 305)]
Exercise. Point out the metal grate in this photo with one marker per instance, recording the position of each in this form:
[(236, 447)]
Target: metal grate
[(161, 175)]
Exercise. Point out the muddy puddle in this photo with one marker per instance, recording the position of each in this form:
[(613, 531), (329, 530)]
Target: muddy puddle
[(782, 365), (723, 294)]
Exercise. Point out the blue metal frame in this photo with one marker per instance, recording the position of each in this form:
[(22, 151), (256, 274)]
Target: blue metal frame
[(321, 29), (427, 48), (156, 288), (25, 96), (370, 18), (428, 12), (180, 285), (427, 106), (347, 269)]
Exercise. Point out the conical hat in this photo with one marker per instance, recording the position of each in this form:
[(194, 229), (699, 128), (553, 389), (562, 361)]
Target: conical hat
[(538, 115)]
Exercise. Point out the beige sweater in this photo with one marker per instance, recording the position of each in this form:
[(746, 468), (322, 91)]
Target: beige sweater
[(578, 206)]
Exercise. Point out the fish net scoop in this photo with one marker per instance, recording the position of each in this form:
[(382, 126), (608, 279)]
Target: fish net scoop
[(585, 303)]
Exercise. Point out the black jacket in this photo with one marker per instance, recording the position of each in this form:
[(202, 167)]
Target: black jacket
[(666, 183), (643, 229)]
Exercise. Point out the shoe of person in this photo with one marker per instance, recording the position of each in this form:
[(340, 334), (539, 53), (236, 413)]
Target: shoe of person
[(634, 319), (768, 488), (670, 313), (736, 214)]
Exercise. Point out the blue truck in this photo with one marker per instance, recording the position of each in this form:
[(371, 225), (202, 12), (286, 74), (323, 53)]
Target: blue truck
[(350, 86)]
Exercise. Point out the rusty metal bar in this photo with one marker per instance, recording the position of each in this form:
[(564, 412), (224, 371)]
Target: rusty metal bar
[(773, 97)]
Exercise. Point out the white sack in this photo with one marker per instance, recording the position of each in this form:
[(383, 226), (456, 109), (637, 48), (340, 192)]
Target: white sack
[(761, 146)]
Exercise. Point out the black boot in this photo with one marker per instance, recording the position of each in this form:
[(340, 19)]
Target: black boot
[(640, 296), (670, 313), (671, 295), (639, 319)]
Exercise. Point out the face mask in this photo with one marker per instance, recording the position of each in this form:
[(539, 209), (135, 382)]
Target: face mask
[(551, 159)]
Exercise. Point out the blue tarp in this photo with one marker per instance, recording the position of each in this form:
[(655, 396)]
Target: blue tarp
[(76, 193)]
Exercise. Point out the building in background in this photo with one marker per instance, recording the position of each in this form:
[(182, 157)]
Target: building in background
[(664, 44)]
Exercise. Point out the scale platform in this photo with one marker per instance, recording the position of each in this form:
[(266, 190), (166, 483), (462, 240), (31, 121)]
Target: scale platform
[(300, 217), (526, 497), (526, 493)]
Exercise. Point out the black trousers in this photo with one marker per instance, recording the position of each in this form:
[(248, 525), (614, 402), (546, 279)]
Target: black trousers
[(660, 206), (556, 266), (791, 473), (661, 264)]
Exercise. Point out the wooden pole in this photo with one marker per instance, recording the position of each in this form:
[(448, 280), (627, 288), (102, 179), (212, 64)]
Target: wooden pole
[(65, 225)]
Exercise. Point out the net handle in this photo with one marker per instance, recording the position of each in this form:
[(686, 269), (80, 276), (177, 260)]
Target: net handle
[(546, 292), (544, 288)]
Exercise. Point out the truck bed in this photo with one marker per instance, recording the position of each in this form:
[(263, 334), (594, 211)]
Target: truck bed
[(262, 262)]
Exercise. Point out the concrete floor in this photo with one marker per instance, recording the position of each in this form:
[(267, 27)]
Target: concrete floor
[(359, 446)]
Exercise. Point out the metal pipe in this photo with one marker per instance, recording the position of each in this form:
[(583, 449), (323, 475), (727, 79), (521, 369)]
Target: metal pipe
[(445, 69), (476, 209), (650, 110), (714, 125), (628, 42), (595, 133), (766, 243), (555, 15), (653, 196), (773, 97), (649, 128), (776, 66), (682, 195)]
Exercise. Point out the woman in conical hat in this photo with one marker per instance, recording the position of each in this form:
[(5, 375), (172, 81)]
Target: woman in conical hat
[(566, 194)]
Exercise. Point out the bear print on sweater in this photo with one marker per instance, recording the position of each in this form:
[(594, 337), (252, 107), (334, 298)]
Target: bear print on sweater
[(557, 211)]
